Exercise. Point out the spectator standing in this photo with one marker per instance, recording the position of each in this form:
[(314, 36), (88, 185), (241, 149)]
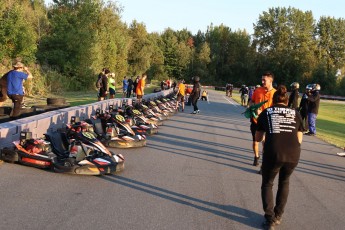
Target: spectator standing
[(141, 87), (244, 95), (303, 108), (195, 94), (162, 85), (135, 83), (173, 85), (261, 94), (181, 95), (293, 98), (130, 87), (15, 90), (103, 90), (231, 88), (124, 86), (112, 84), (250, 94), (227, 90), (168, 84), (313, 108), (282, 127), (204, 95)]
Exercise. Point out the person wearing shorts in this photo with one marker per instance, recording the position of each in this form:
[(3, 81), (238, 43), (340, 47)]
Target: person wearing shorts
[(111, 82), (181, 95), (261, 94)]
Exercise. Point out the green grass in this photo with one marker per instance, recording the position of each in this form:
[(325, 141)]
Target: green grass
[(75, 98), (330, 122)]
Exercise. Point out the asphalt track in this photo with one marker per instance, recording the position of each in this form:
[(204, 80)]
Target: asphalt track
[(195, 174)]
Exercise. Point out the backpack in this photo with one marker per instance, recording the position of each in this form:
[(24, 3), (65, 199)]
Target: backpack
[(99, 83)]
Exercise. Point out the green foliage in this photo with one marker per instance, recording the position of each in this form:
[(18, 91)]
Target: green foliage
[(76, 39), (18, 36), (285, 37)]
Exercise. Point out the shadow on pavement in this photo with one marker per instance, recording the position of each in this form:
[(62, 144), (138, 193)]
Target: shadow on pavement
[(240, 215), (215, 134), (179, 152)]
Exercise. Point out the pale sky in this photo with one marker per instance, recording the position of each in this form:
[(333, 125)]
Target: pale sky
[(196, 15)]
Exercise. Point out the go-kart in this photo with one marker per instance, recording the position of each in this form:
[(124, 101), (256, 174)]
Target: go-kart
[(113, 131), (149, 114), (83, 155), (139, 123)]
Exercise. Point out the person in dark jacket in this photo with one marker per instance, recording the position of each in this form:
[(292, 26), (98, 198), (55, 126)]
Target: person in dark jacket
[(303, 109), (313, 108), (195, 94), (293, 99), (282, 128), (135, 83), (103, 90), (129, 87)]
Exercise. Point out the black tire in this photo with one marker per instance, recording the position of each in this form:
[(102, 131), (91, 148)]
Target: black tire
[(6, 110), (70, 162), (56, 101), (4, 118)]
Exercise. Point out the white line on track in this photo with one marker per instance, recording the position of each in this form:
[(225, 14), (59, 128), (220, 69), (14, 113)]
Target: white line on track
[(230, 101)]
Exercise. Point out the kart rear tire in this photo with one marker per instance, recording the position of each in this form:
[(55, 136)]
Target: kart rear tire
[(9, 155)]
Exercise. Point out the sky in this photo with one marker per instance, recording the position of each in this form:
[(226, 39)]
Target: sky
[(196, 15)]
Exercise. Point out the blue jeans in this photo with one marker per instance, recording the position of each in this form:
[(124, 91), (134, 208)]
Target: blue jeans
[(312, 122)]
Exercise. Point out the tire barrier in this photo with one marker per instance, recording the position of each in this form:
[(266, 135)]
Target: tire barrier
[(56, 101), (40, 124)]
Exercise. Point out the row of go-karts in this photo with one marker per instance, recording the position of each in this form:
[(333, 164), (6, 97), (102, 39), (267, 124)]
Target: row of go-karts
[(82, 146)]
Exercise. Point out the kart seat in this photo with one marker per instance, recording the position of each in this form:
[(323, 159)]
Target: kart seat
[(59, 143)]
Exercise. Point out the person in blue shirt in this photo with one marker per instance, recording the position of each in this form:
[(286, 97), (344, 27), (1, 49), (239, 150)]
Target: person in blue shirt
[(125, 86), (15, 89)]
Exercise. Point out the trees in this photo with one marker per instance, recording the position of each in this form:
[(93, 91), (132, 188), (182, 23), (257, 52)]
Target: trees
[(72, 40), (85, 36), (284, 39)]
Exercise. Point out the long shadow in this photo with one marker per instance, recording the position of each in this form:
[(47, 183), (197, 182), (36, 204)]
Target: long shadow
[(231, 212), (320, 174), (320, 165), (218, 120), (179, 152), (195, 144), (213, 134), (318, 152), (313, 142), (207, 125)]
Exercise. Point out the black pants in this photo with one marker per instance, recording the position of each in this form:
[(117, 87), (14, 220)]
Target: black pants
[(305, 121), (195, 102), (269, 172), (204, 97), (17, 104), (129, 92)]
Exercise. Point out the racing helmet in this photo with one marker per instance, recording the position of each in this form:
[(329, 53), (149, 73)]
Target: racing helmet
[(294, 85), (196, 78), (316, 87), (309, 87)]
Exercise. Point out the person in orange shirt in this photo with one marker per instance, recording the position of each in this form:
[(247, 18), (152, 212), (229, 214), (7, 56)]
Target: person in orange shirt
[(181, 94), (264, 93), (140, 87)]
